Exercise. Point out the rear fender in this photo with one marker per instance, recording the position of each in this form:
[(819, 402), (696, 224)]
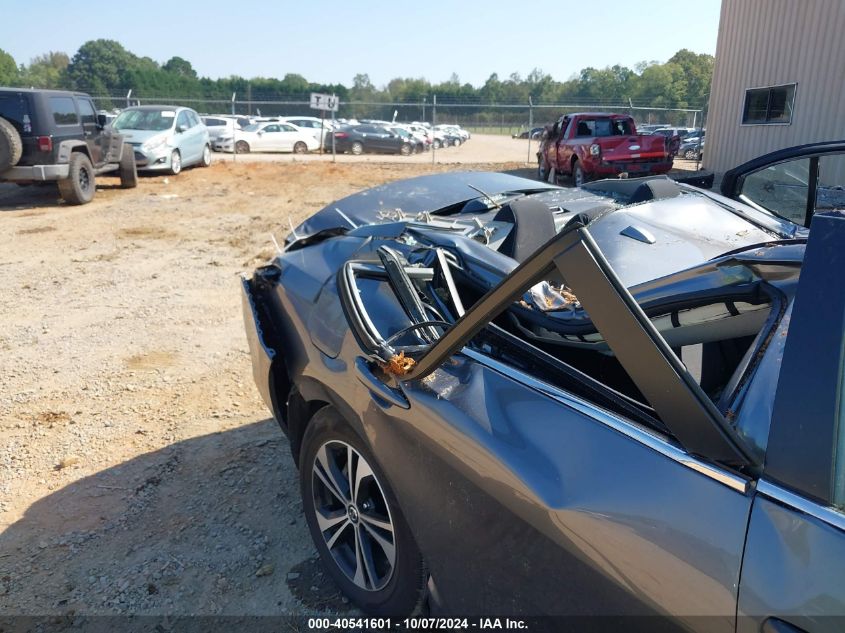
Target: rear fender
[(66, 148)]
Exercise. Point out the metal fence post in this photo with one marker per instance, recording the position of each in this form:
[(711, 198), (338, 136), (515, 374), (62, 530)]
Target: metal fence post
[(530, 126), (334, 154), (433, 123)]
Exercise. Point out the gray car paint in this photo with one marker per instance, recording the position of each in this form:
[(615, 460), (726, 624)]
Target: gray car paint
[(559, 506)]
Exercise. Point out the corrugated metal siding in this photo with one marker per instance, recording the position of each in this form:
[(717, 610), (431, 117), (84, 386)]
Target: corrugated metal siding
[(770, 43)]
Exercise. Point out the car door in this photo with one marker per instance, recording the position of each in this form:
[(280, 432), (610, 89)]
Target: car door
[(267, 138), (198, 134), (793, 183), (288, 135), (526, 497), (185, 140), (93, 137), (563, 145), (793, 578)]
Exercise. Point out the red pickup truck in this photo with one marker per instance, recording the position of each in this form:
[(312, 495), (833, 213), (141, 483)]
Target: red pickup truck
[(595, 145)]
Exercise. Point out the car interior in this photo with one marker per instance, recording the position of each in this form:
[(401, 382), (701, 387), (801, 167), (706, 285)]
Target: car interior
[(548, 334)]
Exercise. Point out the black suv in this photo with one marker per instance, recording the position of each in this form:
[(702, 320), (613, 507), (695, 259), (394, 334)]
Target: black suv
[(54, 135)]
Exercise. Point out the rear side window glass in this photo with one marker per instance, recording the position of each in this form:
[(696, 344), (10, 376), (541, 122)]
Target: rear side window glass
[(64, 112), (89, 116), (15, 109)]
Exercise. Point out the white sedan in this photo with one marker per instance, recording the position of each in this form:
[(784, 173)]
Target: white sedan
[(269, 136)]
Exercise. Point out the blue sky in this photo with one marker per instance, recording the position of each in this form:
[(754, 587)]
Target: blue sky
[(332, 41)]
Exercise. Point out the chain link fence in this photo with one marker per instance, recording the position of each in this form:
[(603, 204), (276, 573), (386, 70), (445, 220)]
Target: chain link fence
[(475, 115)]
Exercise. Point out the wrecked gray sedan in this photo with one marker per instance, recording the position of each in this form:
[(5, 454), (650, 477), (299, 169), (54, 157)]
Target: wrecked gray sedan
[(505, 397)]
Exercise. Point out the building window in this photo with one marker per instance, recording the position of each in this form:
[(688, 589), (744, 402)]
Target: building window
[(769, 105)]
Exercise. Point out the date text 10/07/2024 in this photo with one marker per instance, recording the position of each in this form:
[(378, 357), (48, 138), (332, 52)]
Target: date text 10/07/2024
[(417, 624)]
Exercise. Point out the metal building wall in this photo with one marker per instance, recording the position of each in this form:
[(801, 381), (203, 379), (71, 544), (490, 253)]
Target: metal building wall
[(769, 43)]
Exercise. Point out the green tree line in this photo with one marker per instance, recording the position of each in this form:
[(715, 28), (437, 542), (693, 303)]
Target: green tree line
[(105, 68)]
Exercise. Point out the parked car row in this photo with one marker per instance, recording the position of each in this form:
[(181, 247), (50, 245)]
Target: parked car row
[(375, 136)]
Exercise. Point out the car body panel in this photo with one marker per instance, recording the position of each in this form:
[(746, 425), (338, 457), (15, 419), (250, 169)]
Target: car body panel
[(411, 196), (793, 565), (528, 493), (519, 476)]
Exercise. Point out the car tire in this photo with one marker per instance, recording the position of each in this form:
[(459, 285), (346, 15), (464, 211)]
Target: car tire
[(128, 169), (579, 177), (689, 154), (457, 142), (388, 585), (436, 144), (300, 148), (405, 149), (357, 148), (242, 147), (542, 170), (11, 146), (175, 162), (205, 161), (80, 185)]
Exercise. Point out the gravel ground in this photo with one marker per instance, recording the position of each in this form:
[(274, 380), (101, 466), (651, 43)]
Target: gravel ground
[(139, 470)]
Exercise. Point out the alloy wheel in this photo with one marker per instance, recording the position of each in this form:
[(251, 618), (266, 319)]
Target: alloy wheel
[(175, 162), (353, 515)]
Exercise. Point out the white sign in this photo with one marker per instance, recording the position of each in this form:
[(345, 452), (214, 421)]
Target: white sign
[(324, 102)]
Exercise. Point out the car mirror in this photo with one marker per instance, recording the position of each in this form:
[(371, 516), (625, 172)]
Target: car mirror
[(180, 129), (260, 132), (101, 121)]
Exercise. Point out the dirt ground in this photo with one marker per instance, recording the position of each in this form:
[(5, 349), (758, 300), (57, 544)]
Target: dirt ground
[(139, 470)]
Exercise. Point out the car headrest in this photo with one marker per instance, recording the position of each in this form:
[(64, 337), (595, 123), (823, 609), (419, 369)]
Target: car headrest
[(657, 189), (533, 225)]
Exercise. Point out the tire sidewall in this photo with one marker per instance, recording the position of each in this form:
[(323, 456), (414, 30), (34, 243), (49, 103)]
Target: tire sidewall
[(128, 168), (405, 589), (576, 170), (70, 188), (175, 162), (206, 156)]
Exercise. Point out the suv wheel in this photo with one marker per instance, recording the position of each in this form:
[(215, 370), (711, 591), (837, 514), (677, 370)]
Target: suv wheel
[(11, 147), (355, 521), (128, 169), (175, 162), (80, 185)]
